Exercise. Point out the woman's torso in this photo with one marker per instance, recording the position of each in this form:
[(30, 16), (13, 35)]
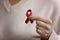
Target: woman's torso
[(18, 29)]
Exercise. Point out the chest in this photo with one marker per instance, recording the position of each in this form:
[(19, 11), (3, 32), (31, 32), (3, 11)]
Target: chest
[(17, 18)]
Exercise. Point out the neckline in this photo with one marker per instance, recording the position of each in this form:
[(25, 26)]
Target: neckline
[(8, 5), (13, 6)]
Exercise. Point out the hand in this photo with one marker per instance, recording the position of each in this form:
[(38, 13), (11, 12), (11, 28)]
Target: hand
[(43, 27)]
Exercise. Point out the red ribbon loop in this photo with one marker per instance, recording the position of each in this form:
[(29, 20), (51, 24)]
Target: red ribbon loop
[(28, 13)]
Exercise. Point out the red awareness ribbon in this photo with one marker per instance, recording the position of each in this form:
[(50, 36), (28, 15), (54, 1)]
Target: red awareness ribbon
[(28, 13)]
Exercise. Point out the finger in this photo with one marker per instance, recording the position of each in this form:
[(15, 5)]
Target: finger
[(42, 29), (39, 32), (41, 19), (43, 25), (42, 34)]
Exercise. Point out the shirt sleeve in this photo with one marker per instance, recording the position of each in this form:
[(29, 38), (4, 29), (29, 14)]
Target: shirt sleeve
[(54, 36), (56, 27), (55, 31)]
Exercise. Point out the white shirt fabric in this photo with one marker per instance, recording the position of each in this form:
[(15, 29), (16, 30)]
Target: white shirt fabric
[(13, 26)]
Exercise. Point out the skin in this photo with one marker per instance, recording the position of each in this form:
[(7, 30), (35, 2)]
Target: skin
[(13, 2), (43, 25)]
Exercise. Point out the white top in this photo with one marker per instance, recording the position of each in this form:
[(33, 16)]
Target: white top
[(17, 28)]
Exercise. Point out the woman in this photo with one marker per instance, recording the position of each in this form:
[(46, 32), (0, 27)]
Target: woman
[(45, 14)]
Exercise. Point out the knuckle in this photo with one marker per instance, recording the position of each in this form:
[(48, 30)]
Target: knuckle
[(48, 27), (50, 21), (48, 31), (39, 22)]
